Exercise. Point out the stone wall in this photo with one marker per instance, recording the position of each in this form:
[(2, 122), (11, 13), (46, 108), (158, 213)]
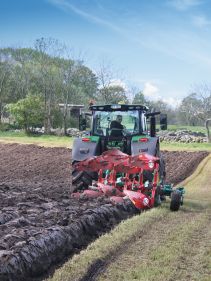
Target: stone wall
[(183, 136)]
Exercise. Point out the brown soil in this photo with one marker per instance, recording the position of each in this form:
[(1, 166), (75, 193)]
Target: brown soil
[(34, 202), (181, 164)]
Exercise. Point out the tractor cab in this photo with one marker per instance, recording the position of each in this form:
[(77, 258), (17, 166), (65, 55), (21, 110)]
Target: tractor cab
[(117, 120), (121, 120), (129, 128), (115, 125), (118, 124)]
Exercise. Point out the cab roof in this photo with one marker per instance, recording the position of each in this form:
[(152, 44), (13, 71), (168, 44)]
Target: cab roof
[(119, 107)]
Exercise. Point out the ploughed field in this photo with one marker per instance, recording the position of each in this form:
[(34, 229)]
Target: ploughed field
[(39, 223)]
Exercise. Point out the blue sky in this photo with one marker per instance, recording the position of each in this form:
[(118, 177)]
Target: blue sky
[(161, 47)]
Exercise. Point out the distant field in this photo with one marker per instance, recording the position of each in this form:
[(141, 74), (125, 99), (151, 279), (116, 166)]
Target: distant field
[(174, 146), (201, 129), (56, 141), (43, 140)]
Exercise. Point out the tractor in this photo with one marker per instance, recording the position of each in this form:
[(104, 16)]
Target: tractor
[(129, 128), (120, 157)]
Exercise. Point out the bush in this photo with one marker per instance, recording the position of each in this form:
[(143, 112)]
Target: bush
[(7, 127), (4, 127), (28, 112)]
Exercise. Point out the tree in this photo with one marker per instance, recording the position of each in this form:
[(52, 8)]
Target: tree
[(113, 94), (48, 75), (28, 112), (44, 72), (109, 90), (5, 73), (139, 98), (163, 107), (195, 108), (207, 124), (203, 94), (78, 85), (190, 110)]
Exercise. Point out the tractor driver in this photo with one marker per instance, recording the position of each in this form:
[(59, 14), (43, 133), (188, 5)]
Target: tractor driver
[(116, 127)]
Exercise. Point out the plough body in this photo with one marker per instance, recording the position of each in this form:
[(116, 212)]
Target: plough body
[(121, 176)]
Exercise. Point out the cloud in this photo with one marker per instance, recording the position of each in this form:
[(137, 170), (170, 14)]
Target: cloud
[(151, 91), (68, 7), (119, 82), (201, 21), (183, 5), (174, 102)]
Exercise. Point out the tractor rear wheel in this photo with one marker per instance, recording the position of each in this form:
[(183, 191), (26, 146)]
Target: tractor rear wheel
[(81, 179), (175, 200)]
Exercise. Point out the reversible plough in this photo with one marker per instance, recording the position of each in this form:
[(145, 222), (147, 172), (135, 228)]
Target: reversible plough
[(121, 177)]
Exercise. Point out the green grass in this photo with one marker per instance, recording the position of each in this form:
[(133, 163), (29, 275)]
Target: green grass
[(160, 260), (101, 248), (201, 129), (174, 146), (42, 140), (57, 141)]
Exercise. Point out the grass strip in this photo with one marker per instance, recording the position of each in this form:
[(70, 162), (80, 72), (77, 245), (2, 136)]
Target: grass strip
[(75, 268), (63, 141), (159, 261)]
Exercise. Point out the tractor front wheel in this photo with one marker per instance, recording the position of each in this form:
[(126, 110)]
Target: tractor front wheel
[(175, 200)]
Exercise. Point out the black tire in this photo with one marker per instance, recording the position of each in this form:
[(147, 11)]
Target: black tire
[(81, 179), (175, 200)]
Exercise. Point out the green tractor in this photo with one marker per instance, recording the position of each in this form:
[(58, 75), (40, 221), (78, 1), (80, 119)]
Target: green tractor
[(129, 128)]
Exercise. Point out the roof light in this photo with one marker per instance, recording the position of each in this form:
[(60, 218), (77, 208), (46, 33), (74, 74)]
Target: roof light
[(116, 106)]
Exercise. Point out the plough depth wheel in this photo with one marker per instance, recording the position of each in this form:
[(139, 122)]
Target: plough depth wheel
[(175, 200)]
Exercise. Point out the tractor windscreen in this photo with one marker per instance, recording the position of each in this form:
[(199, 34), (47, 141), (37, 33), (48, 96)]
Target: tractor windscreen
[(116, 123)]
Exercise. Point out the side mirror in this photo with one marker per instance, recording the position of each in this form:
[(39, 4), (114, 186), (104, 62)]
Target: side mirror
[(82, 123), (163, 121)]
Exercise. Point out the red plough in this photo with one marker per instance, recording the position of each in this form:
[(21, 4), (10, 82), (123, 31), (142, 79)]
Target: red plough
[(121, 176)]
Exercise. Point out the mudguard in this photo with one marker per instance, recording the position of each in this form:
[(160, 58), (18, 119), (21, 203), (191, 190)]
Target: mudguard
[(148, 146), (83, 150)]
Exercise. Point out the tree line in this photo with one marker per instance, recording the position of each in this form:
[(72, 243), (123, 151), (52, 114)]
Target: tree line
[(194, 109), (34, 81)]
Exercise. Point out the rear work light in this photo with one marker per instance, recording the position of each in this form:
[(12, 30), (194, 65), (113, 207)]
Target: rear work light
[(143, 139), (86, 139), (115, 106)]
